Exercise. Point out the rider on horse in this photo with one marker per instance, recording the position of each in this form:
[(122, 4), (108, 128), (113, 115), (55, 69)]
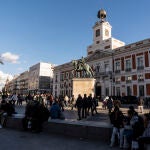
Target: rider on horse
[(80, 64)]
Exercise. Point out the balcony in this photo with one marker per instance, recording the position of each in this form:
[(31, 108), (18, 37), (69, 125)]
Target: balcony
[(140, 80), (117, 82), (103, 74), (128, 81), (140, 67), (128, 70), (98, 74), (117, 71)]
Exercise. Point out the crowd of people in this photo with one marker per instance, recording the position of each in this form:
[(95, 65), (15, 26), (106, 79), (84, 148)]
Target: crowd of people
[(132, 131), (39, 107), (86, 105), (129, 131)]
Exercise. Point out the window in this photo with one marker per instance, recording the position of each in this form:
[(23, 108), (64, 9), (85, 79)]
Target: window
[(67, 75), (61, 77), (56, 78), (129, 91), (107, 91), (141, 90), (97, 32), (118, 91), (107, 68), (106, 47), (140, 63), (117, 65), (97, 69), (97, 42), (128, 79), (128, 64), (140, 77), (118, 80)]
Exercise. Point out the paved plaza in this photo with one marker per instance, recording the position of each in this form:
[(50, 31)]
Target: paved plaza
[(72, 114), (16, 140)]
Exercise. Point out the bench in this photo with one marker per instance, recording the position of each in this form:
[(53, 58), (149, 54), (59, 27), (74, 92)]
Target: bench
[(14, 122), (82, 129)]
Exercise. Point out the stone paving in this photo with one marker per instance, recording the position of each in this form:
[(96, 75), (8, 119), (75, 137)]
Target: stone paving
[(16, 140), (72, 114)]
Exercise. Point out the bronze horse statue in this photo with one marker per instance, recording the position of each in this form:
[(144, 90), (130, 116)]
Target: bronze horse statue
[(80, 66)]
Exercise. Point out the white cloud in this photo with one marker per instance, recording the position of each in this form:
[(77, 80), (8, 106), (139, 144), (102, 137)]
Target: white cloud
[(9, 57), (3, 78)]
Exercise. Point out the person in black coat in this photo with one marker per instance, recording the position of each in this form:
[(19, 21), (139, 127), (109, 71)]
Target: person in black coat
[(79, 105), (89, 104)]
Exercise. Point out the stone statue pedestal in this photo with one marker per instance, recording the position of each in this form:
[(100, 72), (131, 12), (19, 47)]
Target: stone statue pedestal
[(83, 86)]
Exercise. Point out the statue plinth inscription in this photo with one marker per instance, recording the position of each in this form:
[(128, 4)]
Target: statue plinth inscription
[(83, 86)]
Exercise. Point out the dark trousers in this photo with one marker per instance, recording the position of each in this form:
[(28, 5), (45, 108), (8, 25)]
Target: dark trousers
[(79, 112), (84, 112), (88, 110), (36, 124), (94, 109), (142, 141), (25, 123)]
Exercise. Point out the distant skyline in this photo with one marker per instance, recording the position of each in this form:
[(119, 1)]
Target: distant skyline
[(56, 31)]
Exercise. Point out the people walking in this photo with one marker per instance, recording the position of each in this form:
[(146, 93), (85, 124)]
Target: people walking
[(94, 105), (140, 105), (79, 105), (90, 104), (109, 104), (72, 102), (84, 106)]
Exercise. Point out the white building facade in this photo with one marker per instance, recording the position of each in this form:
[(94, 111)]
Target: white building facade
[(40, 77)]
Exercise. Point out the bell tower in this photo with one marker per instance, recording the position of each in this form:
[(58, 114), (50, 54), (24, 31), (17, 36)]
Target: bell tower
[(102, 28), (102, 38)]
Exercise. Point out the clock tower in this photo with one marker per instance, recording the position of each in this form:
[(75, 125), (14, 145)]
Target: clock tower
[(102, 38), (102, 28)]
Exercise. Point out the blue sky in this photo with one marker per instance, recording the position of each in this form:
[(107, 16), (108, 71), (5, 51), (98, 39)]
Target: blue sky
[(58, 31)]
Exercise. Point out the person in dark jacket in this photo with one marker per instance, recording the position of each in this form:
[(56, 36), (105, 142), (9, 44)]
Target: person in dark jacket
[(89, 104), (110, 104), (117, 119), (94, 105), (55, 110), (145, 138), (84, 106), (79, 105), (35, 115)]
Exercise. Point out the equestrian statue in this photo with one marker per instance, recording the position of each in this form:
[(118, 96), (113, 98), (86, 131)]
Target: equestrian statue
[(81, 69)]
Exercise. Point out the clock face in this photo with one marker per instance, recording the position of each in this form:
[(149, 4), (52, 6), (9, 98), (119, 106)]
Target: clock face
[(106, 32)]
